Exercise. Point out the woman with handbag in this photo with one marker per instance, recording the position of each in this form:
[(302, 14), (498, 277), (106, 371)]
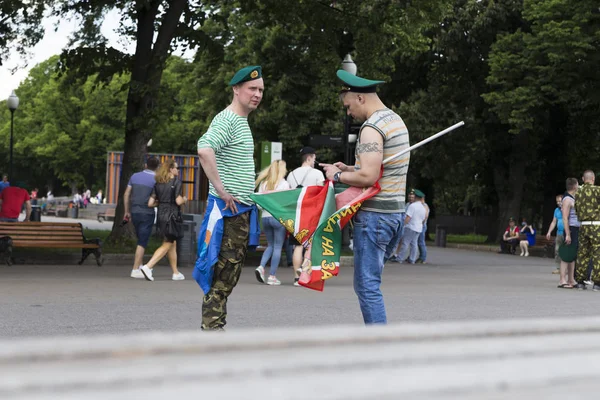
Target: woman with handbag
[(167, 195), (269, 180)]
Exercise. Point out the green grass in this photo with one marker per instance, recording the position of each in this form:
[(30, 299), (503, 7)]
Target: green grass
[(126, 247), (470, 238)]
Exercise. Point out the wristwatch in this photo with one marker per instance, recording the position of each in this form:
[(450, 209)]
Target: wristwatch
[(336, 176)]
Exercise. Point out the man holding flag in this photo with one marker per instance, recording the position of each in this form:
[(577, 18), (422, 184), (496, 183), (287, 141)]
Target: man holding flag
[(378, 224)]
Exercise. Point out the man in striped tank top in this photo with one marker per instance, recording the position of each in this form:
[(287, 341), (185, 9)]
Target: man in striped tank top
[(226, 152), (378, 224)]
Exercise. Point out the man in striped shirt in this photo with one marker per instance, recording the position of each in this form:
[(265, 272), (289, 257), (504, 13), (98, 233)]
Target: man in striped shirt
[(226, 153), (378, 224)]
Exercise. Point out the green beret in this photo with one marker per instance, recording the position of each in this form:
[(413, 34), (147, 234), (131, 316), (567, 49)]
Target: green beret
[(246, 74), (353, 83), (418, 193)]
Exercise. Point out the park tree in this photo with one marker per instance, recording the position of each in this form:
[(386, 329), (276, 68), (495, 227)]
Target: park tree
[(443, 86), (20, 25), (156, 27), (300, 52), (64, 131), (544, 85)]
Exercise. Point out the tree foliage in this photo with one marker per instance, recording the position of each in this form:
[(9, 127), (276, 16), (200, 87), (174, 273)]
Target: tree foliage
[(522, 74)]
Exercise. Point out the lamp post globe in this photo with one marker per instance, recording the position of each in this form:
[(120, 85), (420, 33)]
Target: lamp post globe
[(13, 104), (13, 101), (348, 65)]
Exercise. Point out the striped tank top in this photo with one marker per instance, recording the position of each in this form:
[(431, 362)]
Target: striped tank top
[(393, 182)]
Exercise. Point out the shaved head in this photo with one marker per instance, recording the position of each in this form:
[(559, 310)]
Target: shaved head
[(589, 176)]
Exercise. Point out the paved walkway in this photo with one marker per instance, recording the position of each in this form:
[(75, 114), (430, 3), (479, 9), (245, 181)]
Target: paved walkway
[(87, 223), (456, 285)]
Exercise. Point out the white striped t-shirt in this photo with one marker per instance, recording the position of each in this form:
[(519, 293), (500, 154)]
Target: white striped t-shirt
[(230, 137)]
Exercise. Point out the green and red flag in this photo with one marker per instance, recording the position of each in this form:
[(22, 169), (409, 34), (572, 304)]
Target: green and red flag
[(315, 216)]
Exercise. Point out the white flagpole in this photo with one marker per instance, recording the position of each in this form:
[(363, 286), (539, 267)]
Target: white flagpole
[(424, 141)]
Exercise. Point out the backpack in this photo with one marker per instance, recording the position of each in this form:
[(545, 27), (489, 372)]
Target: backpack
[(300, 184)]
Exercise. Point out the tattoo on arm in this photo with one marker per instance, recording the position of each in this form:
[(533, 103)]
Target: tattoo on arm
[(372, 147)]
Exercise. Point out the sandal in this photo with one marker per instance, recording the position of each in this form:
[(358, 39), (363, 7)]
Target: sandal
[(565, 286)]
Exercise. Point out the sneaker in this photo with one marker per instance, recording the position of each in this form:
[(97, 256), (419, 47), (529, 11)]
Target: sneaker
[(147, 273), (596, 288), (580, 286), (522, 253), (178, 277), (137, 274), (527, 254), (589, 282), (273, 281), (419, 261), (260, 274), (296, 282), (556, 271)]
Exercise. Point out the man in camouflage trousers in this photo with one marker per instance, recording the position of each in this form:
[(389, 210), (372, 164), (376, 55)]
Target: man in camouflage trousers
[(227, 271), (226, 152), (587, 206)]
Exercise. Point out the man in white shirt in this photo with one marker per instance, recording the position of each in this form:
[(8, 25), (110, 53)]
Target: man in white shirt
[(413, 226), (305, 175)]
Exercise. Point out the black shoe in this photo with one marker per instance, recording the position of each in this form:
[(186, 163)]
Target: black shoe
[(596, 287), (580, 286), (419, 261)]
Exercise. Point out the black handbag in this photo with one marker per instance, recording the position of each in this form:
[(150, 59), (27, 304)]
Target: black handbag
[(174, 226)]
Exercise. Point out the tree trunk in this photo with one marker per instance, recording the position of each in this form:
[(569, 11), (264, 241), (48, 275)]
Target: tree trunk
[(554, 152), (146, 74), (509, 179)]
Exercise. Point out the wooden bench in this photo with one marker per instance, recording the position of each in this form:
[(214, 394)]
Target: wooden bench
[(58, 210), (545, 245), (104, 216), (49, 235)]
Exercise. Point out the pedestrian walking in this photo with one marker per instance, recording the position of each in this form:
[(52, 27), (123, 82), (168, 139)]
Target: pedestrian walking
[(305, 175), (422, 245), (411, 199), (226, 153), (271, 179), (413, 226), (167, 194), (136, 197), (378, 223)]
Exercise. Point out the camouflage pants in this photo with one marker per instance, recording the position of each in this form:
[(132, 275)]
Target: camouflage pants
[(589, 250), (227, 271)]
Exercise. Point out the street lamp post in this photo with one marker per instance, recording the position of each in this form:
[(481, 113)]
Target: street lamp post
[(13, 104), (349, 66)]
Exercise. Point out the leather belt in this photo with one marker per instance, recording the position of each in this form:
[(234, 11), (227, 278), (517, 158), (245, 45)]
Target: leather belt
[(590, 222)]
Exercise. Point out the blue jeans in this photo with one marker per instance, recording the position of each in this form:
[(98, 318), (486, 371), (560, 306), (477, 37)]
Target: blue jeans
[(289, 250), (275, 233), (376, 236), (410, 240), (422, 245)]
